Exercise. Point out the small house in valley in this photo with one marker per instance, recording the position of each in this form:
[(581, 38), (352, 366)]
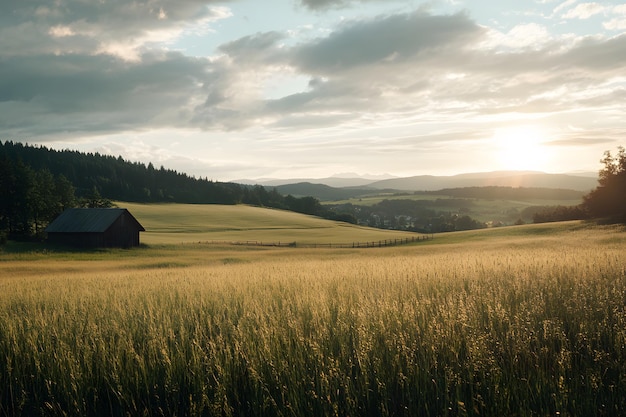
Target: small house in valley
[(95, 227)]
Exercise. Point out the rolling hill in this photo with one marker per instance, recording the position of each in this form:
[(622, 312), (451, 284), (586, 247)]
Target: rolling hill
[(180, 223), (499, 178), (531, 179), (325, 192)]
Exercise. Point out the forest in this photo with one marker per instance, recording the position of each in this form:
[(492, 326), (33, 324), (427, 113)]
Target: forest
[(413, 215)]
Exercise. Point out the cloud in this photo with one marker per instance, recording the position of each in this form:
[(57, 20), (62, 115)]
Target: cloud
[(249, 50), (329, 4), (390, 38), (323, 4), (599, 57), (118, 28), (414, 68), (77, 93), (584, 11), (564, 5), (523, 36), (617, 23)]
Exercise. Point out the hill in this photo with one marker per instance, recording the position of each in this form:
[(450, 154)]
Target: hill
[(179, 223), (580, 181), (330, 181), (500, 178), (325, 192)]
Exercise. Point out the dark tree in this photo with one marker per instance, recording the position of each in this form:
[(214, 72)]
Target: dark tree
[(558, 214), (65, 193), (29, 199), (19, 200), (44, 201), (608, 200), (306, 205), (95, 200)]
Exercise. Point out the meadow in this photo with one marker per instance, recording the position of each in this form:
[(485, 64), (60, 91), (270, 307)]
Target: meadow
[(185, 223), (527, 321)]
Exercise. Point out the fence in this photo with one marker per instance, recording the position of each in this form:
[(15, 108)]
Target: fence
[(373, 244)]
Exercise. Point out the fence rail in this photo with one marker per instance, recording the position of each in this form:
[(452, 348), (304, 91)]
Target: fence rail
[(370, 244)]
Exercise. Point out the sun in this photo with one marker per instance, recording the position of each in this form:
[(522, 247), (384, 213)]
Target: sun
[(521, 148)]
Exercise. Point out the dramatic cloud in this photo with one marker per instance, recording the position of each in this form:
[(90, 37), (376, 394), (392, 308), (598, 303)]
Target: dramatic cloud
[(110, 27), (397, 81), (361, 68), (398, 38), (77, 93)]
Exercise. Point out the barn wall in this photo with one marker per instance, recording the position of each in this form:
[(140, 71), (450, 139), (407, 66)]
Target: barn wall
[(83, 240), (122, 233)]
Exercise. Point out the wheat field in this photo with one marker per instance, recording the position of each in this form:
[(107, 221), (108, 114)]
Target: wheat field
[(527, 321)]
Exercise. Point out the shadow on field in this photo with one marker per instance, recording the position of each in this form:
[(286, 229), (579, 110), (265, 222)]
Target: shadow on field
[(17, 247)]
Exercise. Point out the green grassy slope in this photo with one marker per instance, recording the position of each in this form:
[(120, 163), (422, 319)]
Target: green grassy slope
[(176, 223)]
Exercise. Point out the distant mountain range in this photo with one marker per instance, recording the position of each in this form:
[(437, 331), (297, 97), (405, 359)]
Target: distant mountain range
[(528, 179), (334, 188), (338, 182)]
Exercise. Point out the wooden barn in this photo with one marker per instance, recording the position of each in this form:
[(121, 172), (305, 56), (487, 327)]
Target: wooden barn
[(95, 227)]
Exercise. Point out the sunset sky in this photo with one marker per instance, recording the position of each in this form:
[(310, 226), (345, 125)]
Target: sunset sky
[(313, 88)]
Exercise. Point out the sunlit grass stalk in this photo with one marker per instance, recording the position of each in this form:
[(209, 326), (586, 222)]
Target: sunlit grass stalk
[(524, 332)]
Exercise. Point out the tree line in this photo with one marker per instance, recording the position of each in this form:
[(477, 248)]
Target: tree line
[(493, 192), (412, 215), (608, 199), (607, 202), (30, 199)]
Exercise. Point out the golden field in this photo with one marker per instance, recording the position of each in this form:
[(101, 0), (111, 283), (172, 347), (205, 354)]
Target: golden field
[(527, 320)]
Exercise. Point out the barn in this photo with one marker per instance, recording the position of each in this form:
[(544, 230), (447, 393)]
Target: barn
[(95, 227)]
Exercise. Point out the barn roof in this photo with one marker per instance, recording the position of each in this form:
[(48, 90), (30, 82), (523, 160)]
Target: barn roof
[(88, 220)]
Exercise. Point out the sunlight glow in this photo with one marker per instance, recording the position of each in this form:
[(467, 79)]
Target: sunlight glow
[(521, 148)]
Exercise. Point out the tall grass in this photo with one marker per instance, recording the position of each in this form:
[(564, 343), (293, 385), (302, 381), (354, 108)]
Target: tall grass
[(518, 326)]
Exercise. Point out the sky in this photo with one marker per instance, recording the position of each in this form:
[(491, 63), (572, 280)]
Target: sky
[(246, 89)]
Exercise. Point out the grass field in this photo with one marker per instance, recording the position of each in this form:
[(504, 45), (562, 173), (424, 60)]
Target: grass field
[(177, 223), (526, 321)]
